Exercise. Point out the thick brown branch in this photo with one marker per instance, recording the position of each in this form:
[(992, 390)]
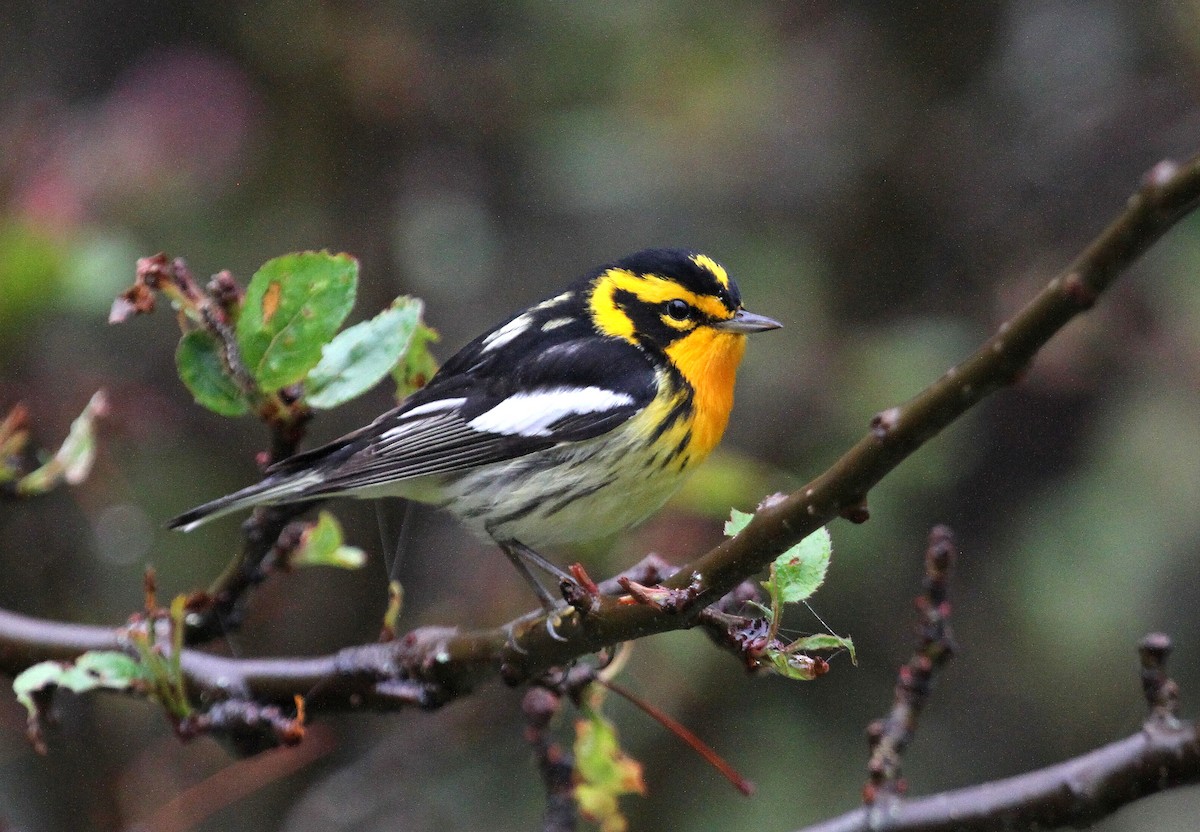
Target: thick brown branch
[(445, 663), (1168, 193)]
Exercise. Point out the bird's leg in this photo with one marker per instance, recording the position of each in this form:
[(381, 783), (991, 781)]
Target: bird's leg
[(521, 556)]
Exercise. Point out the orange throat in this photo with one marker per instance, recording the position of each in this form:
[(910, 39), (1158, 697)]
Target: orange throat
[(708, 361)]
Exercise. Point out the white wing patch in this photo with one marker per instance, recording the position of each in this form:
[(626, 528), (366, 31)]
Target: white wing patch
[(506, 333), (532, 414), (430, 407), (555, 323)]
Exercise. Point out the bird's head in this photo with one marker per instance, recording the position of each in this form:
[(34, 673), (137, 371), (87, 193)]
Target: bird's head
[(678, 302)]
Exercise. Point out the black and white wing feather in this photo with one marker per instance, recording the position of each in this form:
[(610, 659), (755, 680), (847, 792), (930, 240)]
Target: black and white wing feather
[(486, 405)]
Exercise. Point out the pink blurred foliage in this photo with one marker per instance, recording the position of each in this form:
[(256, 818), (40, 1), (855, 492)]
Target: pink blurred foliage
[(177, 125)]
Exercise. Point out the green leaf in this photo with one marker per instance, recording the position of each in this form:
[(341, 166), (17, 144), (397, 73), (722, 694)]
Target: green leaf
[(796, 574), (795, 665), (799, 571), (360, 356), (109, 670), (202, 370), (162, 668), (824, 641), (321, 545), (294, 305), (418, 365), (74, 458), (737, 521), (604, 771)]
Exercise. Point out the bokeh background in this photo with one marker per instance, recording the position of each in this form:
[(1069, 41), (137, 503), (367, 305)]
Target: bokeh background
[(890, 179)]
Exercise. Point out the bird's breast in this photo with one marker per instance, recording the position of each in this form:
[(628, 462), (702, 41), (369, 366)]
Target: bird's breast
[(708, 361)]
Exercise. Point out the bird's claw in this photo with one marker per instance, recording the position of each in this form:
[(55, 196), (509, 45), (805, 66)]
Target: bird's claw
[(511, 641), (553, 619)]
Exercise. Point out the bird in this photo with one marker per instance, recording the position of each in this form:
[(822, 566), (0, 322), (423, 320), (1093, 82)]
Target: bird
[(574, 419)]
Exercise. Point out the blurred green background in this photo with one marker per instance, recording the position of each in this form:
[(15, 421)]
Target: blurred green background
[(890, 179)]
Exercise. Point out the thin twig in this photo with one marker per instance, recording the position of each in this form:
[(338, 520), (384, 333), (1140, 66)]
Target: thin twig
[(891, 735), (703, 749), (555, 763), (224, 606)]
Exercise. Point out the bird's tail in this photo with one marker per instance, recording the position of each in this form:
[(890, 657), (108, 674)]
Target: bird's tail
[(273, 490)]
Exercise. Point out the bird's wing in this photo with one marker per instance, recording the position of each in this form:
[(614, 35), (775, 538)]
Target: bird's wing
[(570, 391)]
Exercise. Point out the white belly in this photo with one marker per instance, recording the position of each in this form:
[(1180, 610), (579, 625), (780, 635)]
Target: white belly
[(595, 489)]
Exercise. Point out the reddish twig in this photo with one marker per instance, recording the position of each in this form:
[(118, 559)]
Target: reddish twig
[(680, 730), (192, 806)]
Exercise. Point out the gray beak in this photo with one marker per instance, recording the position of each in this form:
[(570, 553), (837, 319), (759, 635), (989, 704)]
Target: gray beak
[(745, 322)]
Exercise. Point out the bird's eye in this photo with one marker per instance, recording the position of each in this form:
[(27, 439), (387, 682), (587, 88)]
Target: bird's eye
[(679, 310)]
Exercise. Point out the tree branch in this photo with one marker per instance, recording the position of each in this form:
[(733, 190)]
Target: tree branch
[(1168, 192), (1165, 754), (891, 735), (432, 665), (212, 309)]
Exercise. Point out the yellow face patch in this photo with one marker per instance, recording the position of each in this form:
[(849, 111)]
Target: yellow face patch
[(607, 316), (651, 289)]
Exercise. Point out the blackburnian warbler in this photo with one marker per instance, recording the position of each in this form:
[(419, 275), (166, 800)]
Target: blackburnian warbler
[(574, 419)]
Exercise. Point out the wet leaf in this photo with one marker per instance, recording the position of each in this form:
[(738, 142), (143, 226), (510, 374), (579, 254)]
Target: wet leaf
[(798, 572), (797, 666), (604, 771), (825, 641), (418, 365), (737, 521), (73, 460), (107, 670), (322, 545), (293, 307), (198, 360), (161, 667), (359, 357)]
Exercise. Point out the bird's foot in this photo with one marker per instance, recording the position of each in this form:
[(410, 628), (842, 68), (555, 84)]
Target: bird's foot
[(555, 619), (579, 590)]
